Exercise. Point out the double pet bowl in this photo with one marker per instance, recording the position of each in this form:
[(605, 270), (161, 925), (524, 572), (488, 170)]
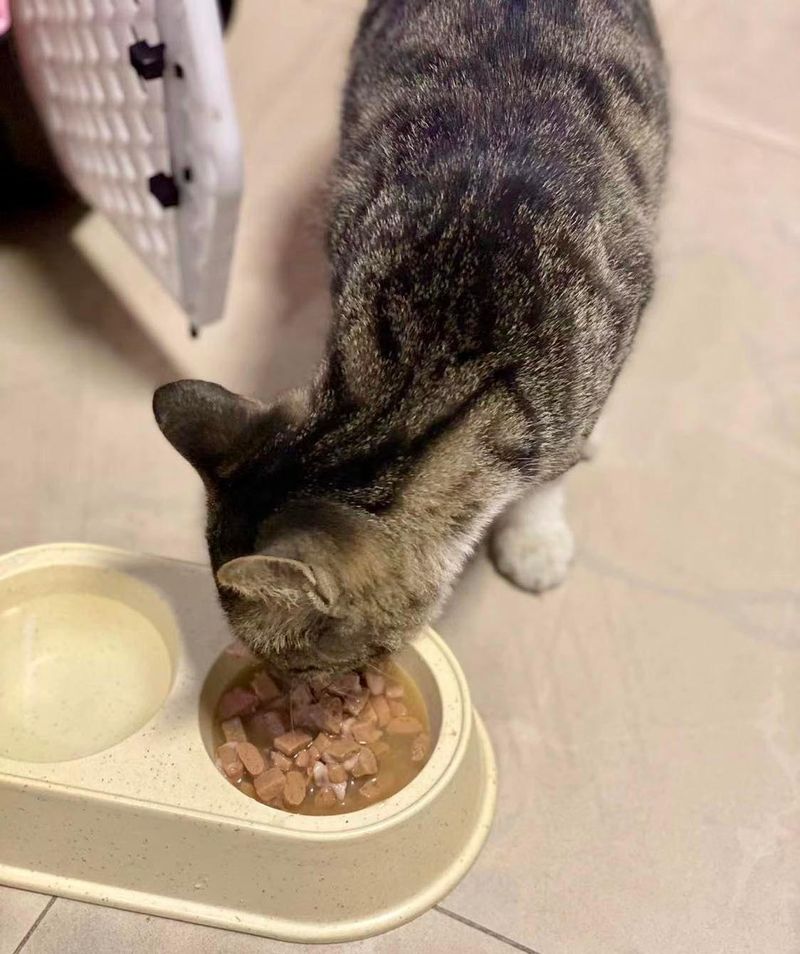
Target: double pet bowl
[(111, 664)]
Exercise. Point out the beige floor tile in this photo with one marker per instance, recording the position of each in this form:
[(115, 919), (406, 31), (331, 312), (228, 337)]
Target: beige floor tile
[(74, 928), (729, 62), (18, 913), (647, 745), (735, 196)]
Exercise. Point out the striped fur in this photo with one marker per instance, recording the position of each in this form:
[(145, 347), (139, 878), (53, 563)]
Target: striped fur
[(491, 236)]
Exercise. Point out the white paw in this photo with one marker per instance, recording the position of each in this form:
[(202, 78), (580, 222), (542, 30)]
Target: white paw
[(535, 558)]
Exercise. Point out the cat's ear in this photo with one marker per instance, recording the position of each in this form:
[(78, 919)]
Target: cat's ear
[(276, 579), (205, 423)]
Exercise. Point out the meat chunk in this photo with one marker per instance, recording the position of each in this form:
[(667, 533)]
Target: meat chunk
[(236, 702), (295, 790), (367, 764), (339, 749), (379, 748), (265, 687), (229, 760), (332, 704), (321, 742), (251, 758), (284, 763), (320, 774), (269, 785), (300, 696), (318, 685), (366, 732), (404, 725), (354, 703), (350, 762), (279, 704), (264, 726), (347, 685), (306, 758), (376, 682), (233, 730), (325, 798), (327, 714), (382, 711), (290, 743)]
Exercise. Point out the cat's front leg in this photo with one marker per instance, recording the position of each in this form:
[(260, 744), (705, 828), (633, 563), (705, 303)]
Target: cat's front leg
[(531, 543)]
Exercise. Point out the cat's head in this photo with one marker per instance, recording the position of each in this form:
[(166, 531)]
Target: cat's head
[(308, 581)]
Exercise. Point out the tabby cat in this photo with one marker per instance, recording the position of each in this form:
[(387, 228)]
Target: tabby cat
[(491, 237)]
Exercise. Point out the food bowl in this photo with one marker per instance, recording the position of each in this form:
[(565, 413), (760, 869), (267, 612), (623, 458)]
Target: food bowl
[(108, 792)]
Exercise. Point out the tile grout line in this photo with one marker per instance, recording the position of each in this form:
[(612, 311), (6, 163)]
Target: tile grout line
[(753, 134), (484, 930), (35, 925)]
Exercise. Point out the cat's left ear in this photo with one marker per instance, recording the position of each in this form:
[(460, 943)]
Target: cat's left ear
[(292, 583), (205, 423)]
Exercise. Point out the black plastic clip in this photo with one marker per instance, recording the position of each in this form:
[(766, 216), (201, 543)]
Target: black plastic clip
[(148, 61), (164, 189)]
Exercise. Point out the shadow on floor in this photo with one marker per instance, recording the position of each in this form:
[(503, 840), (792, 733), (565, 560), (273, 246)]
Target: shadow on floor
[(43, 235), (294, 299)]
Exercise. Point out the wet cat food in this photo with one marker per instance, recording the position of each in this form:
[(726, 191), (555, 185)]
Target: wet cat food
[(322, 748)]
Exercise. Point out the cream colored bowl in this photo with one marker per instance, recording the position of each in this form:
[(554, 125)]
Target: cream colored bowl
[(110, 664)]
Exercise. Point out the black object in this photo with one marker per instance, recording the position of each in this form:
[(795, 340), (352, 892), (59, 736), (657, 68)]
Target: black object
[(164, 189), (225, 12), (147, 60), (30, 176)]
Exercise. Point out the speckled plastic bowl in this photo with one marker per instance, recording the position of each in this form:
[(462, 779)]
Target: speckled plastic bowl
[(125, 807)]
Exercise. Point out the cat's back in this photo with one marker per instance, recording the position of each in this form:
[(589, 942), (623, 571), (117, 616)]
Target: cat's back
[(569, 94), (494, 205)]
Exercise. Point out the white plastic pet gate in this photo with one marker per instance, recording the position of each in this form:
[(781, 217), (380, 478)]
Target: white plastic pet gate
[(135, 97)]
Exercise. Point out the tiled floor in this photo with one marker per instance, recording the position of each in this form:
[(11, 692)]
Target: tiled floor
[(646, 715), (73, 927)]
